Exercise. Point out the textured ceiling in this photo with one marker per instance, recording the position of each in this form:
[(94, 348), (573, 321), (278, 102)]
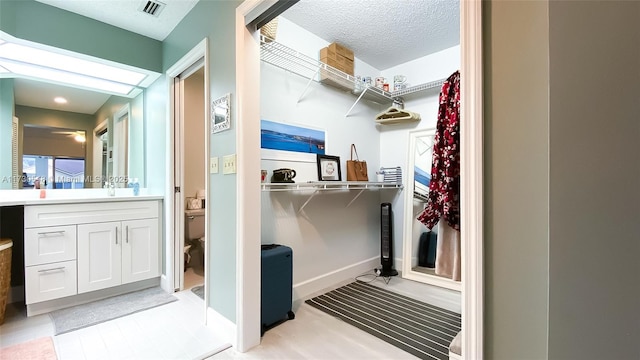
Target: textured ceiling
[(125, 14), (382, 33)]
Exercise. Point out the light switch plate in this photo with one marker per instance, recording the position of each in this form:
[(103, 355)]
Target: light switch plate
[(229, 164), (213, 165)]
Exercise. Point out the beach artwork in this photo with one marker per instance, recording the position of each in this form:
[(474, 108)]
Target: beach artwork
[(290, 142)]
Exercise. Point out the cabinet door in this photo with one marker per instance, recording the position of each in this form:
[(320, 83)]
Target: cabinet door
[(140, 250), (99, 256)]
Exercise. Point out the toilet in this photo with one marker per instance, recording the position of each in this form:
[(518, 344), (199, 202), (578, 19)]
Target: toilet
[(193, 229)]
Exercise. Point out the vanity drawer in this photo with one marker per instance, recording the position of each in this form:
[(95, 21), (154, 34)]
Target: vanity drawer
[(49, 244), (50, 281)]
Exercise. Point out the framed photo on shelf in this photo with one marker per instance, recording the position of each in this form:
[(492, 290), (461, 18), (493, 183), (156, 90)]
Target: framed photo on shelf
[(328, 168)]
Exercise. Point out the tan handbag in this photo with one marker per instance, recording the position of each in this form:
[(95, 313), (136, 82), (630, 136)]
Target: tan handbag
[(356, 169)]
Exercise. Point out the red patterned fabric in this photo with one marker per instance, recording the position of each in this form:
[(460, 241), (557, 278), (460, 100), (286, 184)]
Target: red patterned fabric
[(444, 189)]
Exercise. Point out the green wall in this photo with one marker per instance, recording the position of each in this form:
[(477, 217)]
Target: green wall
[(594, 207), (216, 21), (516, 150), (6, 120), (561, 190), (40, 23)]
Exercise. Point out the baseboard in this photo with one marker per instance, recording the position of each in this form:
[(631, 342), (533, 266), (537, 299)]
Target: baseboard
[(57, 304), (166, 285), (311, 287), (222, 326), (16, 294)]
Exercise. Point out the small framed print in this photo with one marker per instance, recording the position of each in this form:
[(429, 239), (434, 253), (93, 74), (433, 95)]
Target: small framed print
[(329, 168)]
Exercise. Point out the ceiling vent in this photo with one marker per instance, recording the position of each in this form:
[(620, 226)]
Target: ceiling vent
[(151, 7)]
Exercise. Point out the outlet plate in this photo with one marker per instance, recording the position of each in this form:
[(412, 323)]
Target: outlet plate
[(229, 164), (213, 165)]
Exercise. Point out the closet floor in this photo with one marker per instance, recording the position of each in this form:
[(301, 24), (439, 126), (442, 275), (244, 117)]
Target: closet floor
[(314, 334)]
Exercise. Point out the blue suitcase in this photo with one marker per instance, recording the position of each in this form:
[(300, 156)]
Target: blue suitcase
[(276, 285)]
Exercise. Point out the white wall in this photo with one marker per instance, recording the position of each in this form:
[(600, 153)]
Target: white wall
[(326, 236)]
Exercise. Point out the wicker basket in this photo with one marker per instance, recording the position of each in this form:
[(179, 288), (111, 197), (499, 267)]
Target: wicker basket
[(5, 274), (269, 30)]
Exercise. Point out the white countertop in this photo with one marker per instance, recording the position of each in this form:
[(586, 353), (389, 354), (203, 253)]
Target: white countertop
[(70, 196)]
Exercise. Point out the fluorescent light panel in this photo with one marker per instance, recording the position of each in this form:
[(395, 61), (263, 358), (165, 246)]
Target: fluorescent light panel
[(66, 77), (68, 63)]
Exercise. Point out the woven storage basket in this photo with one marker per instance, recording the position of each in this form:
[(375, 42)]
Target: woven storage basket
[(5, 274), (270, 29)]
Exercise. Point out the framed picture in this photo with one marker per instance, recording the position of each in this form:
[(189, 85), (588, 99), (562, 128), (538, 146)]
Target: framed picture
[(221, 114), (329, 168)]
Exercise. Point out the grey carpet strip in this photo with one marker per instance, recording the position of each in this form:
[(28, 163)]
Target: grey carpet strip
[(420, 329)]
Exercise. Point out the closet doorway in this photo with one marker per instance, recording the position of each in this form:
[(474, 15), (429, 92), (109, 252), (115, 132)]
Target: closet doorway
[(187, 257), (248, 70)]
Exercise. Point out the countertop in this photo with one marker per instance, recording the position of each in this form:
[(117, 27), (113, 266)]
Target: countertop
[(71, 196)]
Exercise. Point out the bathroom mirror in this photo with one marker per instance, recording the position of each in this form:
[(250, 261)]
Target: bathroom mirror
[(420, 154), (221, 114), (107, 123)]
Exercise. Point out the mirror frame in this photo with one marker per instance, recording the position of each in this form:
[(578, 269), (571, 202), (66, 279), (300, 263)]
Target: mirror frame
[(223, 104), (410, 221)]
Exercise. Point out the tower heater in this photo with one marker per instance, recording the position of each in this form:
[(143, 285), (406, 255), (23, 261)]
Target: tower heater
[(386, 241)]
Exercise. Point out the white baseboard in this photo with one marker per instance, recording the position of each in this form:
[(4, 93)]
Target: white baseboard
[(222, 326), (166, 285), (309, 288)]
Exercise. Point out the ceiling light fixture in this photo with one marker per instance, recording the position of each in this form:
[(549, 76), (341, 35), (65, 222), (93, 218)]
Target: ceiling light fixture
[(60, 100), (67, 63), (80, 138), (40, 72)]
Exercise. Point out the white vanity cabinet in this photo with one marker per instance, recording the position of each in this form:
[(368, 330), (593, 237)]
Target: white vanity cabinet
[(115, 253), (77, 248)]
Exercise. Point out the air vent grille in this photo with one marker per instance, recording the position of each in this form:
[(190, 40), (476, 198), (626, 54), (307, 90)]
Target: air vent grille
[(153, 8)]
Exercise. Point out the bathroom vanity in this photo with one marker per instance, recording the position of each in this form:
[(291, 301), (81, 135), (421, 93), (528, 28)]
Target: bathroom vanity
[(85, 248)]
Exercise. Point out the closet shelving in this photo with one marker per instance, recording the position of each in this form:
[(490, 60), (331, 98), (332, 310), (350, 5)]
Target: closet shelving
[(288, 59), (316, 187)]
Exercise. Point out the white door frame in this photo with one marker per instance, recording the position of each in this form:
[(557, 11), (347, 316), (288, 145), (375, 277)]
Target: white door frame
[(248, 98), (174, 265)]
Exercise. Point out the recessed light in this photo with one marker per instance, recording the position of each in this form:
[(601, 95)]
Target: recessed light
[(60, 100)]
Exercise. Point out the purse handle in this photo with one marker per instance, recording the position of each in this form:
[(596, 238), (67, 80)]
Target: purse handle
[(353, 150)]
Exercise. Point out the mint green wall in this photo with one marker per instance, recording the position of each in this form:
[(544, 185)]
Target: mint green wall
[(516, 176), (34, 21), (216, 20), (594, 207), (6, 119)]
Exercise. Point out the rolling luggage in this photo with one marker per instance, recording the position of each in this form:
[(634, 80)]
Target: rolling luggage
[(427, 249), (276, 285)]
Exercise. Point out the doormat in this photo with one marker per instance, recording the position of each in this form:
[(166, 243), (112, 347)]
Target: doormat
[(418, 328), (93, 313), (41, 349)]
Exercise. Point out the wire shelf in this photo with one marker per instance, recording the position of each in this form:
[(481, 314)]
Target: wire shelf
[(298, 63), (330, 185)]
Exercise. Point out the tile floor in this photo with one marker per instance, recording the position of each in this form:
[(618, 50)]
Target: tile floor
[(172, 331)]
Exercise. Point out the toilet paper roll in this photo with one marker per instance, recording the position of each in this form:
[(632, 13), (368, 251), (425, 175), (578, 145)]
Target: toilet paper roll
[(200, 194)]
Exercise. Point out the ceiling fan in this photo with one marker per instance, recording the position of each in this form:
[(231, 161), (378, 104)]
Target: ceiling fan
[(77, 135)]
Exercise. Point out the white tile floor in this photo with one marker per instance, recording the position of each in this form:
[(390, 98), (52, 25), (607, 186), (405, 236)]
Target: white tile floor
[(172, 331)]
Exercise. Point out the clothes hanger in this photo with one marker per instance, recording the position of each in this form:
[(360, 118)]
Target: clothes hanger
[(395, 115)]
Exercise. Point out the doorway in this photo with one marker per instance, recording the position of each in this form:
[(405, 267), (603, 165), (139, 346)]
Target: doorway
[(248, 70), (186, 260)]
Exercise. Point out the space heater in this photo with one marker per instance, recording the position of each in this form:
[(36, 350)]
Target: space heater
[(386, 241)]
